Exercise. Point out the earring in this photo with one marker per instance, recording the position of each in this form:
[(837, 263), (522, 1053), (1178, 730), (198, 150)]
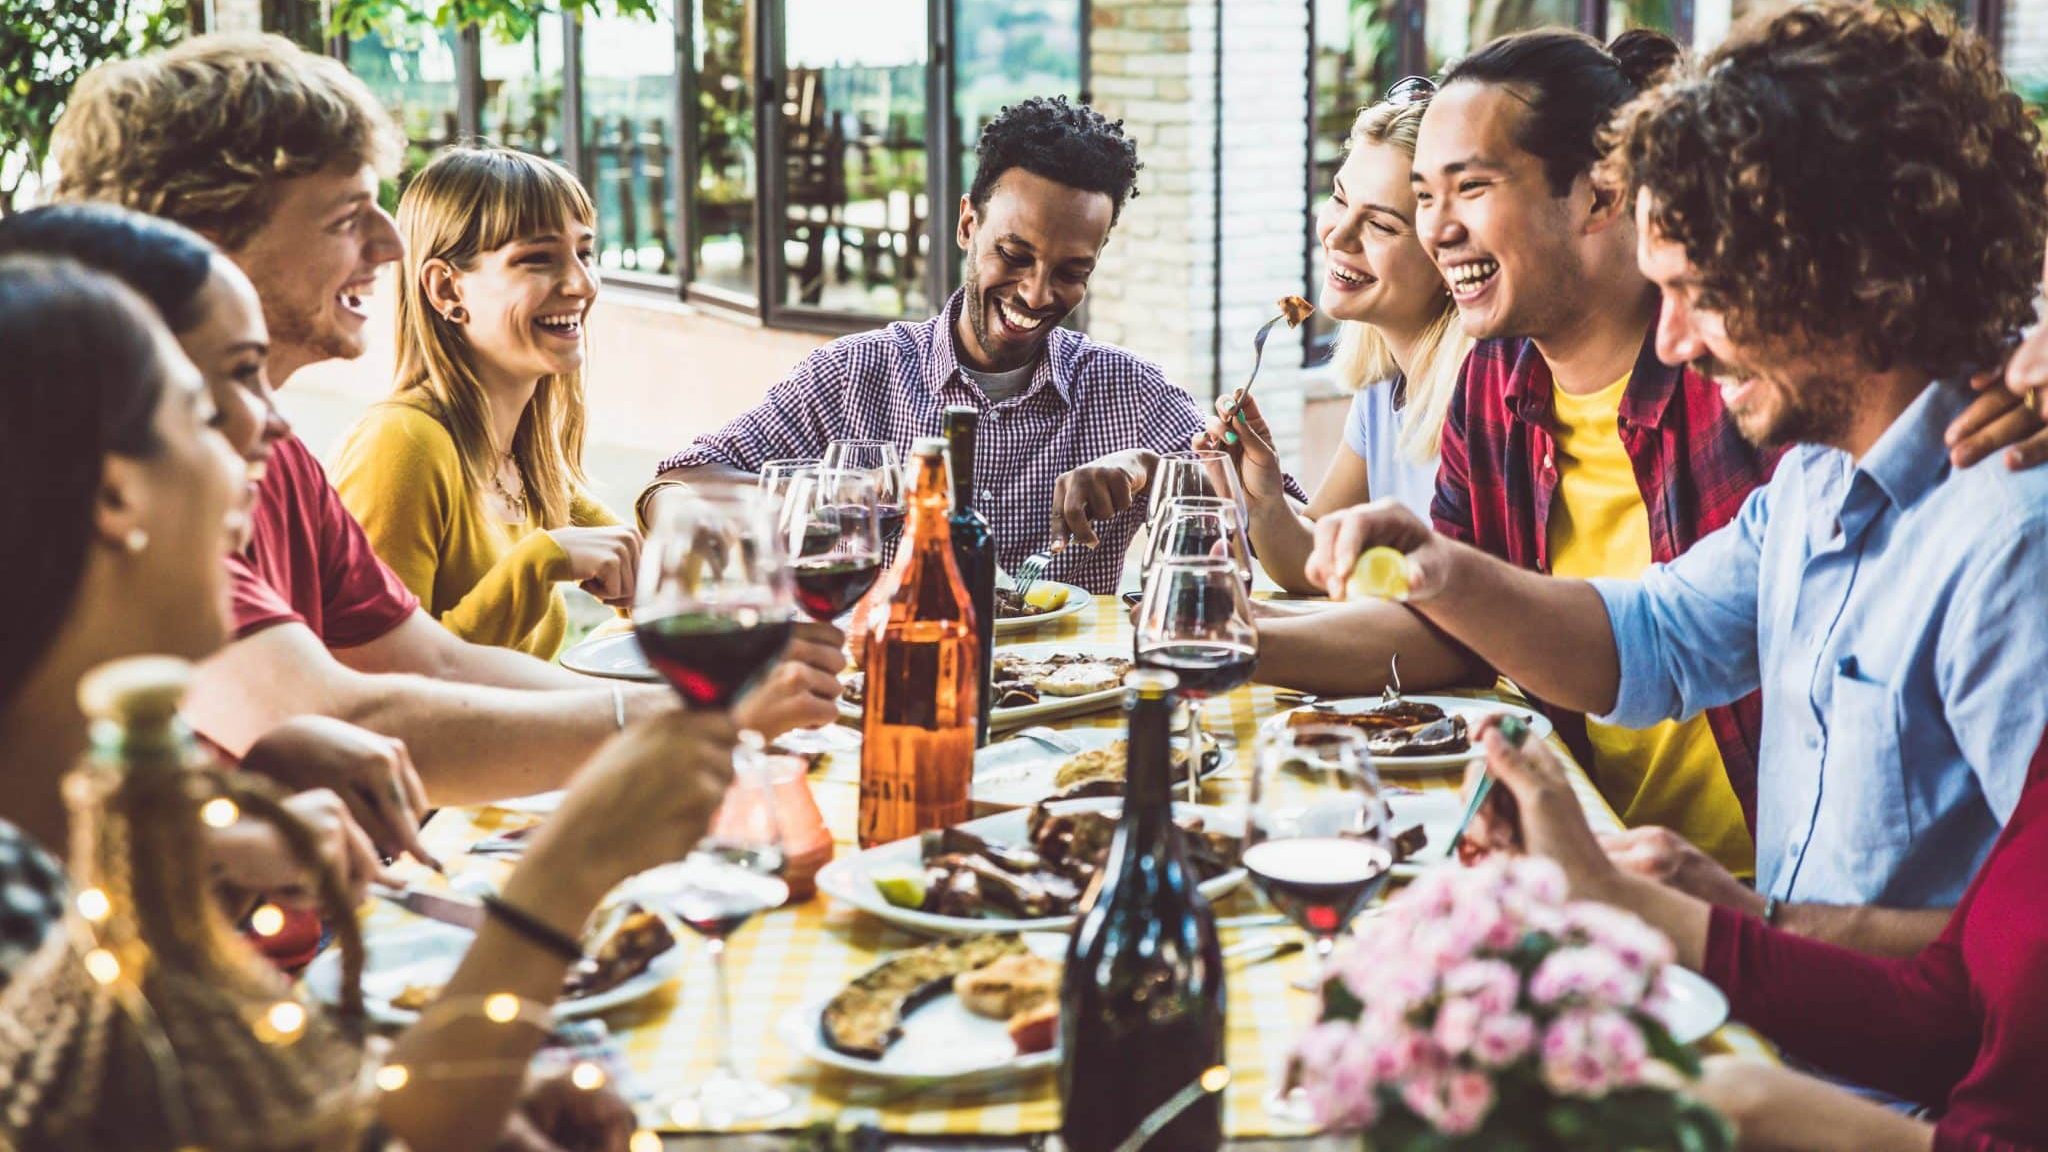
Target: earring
[(456, 315), (135, 541)]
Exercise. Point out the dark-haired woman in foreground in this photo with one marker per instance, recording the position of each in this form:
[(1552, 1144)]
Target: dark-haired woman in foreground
[(109, 462)]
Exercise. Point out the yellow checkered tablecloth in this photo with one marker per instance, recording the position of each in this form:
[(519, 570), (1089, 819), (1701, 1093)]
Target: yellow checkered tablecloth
[(804, 953)]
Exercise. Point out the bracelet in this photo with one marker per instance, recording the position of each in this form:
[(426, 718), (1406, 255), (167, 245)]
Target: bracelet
[(619, 706), (1772, 906), (647, 494), (530, 926)]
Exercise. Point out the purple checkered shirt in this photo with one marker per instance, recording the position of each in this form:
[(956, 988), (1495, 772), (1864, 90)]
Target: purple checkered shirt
[(1085, 401)]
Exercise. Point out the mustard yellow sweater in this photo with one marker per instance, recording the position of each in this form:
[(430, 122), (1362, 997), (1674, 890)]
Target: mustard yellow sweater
[(488, 581)]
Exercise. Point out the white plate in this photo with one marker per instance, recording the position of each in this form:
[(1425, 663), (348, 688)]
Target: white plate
[(942, 1042), (1472, 710), (1695, 1007), (426, 952), (1048, 707), (1078, 601), (1017, 772), (614, 657), (850, 879), (1438, 811)]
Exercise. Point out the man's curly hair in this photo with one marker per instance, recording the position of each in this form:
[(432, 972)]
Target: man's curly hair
[(203, 133), (1852, 170), (1070, 144)]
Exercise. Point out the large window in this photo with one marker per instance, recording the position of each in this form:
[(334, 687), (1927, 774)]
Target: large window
[(412, 69), (629, 142)]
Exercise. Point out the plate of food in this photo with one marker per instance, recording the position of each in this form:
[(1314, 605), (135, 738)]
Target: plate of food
[(1693, 1007), (629, 952), (1048, 601), (1021, 770), (616, 656), (1017, 871), (1414, 733), (1035, 682), (976, 1009)]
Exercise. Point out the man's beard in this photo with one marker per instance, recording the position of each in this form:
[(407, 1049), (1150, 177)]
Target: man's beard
[(1817, 410), (975, 301), (294, 326)]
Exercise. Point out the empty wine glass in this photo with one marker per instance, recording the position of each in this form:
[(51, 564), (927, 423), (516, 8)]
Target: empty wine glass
[(1196, 622), (880, 458), (1316, 841), (731, 875), (776, 476), (1198, 526), (1195, 473), (828, 522)]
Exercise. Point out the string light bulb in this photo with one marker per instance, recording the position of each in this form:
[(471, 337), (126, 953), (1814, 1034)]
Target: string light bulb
[(94, 905), (501, 1008), (644, 1141), (392, 1077), (267, 920), (587, 1076), (102, 966), (286, 1018), (219, 812)]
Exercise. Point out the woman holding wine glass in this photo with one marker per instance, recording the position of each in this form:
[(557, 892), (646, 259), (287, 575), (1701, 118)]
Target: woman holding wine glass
[(1196, 622)]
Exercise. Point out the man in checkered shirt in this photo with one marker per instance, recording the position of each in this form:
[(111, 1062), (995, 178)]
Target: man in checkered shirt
[(1070, 429), (31, 898)]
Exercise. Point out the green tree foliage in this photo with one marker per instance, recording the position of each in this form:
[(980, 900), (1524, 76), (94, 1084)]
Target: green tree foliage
[(510, 21), (44, 49)]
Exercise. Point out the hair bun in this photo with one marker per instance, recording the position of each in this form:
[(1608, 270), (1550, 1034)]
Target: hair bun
[(1644, 55)]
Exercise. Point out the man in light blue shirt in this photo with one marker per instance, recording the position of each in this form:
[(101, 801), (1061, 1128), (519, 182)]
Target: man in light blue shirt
[(1890, 607)]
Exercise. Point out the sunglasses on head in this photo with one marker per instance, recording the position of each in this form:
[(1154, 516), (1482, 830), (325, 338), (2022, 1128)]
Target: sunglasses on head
[(1410, 90)]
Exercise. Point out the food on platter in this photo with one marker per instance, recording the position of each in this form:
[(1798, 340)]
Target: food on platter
[(970, 877), (1036, 1029), (1021, 991), (867, 1015), (1296, 309), (620, 954), (1020, 681), (1395, 728), (1044, 597), (1100, 771)]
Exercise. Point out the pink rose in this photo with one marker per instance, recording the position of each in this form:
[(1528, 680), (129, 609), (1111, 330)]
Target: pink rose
[(1504, 1039), (1457, 1026), (1491, 983), (1423, 1094), (1468, 1097)]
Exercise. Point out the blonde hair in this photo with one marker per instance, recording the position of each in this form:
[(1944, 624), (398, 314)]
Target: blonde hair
[(203, 133), (466, 202), (1364, 357)]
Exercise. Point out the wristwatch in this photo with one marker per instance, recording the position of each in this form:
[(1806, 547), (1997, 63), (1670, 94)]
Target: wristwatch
[(1772, 906)]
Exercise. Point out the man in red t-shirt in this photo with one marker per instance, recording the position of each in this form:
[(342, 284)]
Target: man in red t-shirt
[(322, 626)]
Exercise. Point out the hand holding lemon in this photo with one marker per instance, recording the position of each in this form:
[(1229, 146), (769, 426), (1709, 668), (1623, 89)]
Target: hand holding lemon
[(1380, 574)]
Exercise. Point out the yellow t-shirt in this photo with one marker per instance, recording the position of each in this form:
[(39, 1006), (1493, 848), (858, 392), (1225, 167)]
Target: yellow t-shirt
[(1670, 774), (488, 581)]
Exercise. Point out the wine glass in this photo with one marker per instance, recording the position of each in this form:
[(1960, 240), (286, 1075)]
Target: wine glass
[(1316, 841), (880, 458), (733, 873), (776, 476), (1201, 472), (1196, 622), (829, 525), (1198, 526), (713, 611)]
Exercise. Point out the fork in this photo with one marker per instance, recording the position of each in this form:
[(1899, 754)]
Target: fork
[(1258, 358), (1049, 738), (1031, 571)]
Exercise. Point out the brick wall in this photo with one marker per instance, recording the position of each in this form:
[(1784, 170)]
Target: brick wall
[(1153, 64)]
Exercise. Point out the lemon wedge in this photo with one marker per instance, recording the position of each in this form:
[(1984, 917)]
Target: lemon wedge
[(905, 889), (1381, 573), (1047, 597)]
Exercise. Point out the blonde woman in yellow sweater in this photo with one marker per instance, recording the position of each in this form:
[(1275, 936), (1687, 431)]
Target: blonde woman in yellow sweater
[(469, 480)]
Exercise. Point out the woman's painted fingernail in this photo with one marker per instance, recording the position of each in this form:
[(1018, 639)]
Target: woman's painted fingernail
[(1230, 437)]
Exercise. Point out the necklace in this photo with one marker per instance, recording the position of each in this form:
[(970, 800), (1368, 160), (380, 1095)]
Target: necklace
[(515, 502)]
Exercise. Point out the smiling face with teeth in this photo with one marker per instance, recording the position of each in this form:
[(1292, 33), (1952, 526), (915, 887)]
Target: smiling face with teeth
[(1030, 251), (315, 261), (1376, 270), (526, 302), (1516, 254)]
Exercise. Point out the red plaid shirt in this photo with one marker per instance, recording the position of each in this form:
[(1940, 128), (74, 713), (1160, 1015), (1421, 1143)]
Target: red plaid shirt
[(1498, 477)]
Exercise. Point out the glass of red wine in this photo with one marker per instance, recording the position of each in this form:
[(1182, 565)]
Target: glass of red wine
[(732, 874), (1316, 842), (1199, 526), (834, 538), (1195, 621), (879, 458), (713, 611)]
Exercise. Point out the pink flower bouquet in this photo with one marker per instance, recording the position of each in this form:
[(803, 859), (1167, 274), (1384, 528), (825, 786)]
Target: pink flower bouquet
[(1480, 1010)]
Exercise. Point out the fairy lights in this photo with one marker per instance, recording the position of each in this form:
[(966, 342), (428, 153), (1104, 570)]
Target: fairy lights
[(644, 1141), (392, 1077), (587, 1076), (267, 920), (94, 905), (501, 1008), (219, 812), (102, 966)]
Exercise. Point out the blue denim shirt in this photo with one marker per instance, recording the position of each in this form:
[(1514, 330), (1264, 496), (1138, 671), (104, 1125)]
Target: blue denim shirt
[(1893, 614)]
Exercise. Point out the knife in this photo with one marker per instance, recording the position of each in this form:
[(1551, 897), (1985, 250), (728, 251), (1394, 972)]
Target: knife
[(1514, 730), (433, 905)]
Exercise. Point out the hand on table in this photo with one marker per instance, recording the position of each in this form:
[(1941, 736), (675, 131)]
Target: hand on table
[(1097, 490), (372, 774), (248, 857), (803, 689), (604, 560), (556, 1116), (1341, 537), (1258, 465)]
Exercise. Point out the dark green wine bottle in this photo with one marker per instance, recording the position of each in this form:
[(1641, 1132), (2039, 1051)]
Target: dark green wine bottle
[(974, 550)]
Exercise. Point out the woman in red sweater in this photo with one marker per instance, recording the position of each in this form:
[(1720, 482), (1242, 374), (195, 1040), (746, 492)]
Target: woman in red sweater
[(1962, 1027)]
